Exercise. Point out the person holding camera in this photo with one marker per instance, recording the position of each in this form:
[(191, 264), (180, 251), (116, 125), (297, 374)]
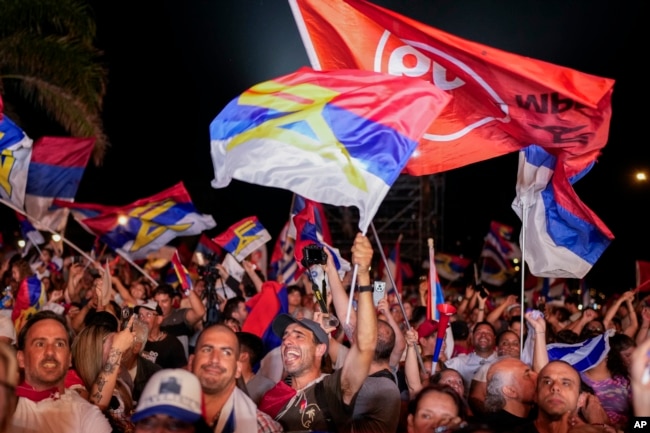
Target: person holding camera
[(315, 401)]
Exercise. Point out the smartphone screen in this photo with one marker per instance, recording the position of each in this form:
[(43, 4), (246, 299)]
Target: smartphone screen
[(379, 292)]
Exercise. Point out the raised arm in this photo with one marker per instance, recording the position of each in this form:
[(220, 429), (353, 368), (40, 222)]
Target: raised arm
[(196, 311), (611, 312), (400, 342), (540, 355), (124, 292), (340, 297), (495, 314), (357, 364), (411, 365), (642, 335), (250, 271), (101, 390)]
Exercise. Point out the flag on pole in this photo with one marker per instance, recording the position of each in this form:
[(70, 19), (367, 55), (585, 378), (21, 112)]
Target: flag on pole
[(642, 276), (55, 171), (182, 274), (307, 233), (15, 152), (336, 137), (502, 101), (564, 238), (243, 237), (29, 233), (145, 225), (30, 298), (284, 267), (298, 204), (451, 267), (497, 254)]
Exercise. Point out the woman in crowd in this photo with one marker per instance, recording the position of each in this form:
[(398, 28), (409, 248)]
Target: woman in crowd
[(435, 406), (96, 356)]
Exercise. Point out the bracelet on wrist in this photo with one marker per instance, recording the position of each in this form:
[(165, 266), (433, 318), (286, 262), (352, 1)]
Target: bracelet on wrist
[(362, 289)]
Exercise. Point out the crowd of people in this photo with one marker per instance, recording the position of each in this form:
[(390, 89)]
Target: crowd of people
[(92, 348)]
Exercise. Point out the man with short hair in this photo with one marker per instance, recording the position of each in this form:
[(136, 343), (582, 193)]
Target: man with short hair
[(178, 321), (44, 405), (250, 354), (561, 405), (510, 393), (216, 363), (317, 401), (235, 308), (483, 339)]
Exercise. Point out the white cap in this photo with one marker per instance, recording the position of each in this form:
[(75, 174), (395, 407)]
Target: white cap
[(174, 392)]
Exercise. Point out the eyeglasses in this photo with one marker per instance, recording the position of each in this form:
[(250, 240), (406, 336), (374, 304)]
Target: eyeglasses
[(147, 315), (167, 424)]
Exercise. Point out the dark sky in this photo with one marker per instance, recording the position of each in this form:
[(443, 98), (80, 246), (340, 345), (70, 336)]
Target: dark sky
[(174, 65)]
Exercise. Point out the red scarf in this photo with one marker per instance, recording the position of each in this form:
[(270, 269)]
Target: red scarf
[(28, 391)]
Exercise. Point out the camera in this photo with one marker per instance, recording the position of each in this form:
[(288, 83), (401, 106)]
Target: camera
[(313, 255)]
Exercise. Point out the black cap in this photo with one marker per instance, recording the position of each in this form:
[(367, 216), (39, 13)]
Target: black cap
[(283, 320)]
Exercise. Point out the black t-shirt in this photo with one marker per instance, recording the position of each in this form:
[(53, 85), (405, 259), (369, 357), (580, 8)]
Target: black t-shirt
[(168, 352)]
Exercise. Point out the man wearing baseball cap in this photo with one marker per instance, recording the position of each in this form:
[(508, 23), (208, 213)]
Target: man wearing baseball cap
[(316, 401), (171, 401), (161, 348)]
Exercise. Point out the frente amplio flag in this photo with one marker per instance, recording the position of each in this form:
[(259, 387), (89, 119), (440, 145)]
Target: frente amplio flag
[(502, 101), (150, 223), (55, 171), (336, 137), (243, 238), (15, 153)]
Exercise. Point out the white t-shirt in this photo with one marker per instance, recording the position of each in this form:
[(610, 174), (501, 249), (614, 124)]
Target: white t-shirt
[(70, 414)]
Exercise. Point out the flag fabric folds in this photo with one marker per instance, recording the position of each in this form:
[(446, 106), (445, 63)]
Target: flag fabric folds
[(263, 308), (55, 171), (642, 276), (563, 238), (497, 254), (502, 101), (298, 204), (29, 233), (243, 238), (336, 137), (15, 153), (182, 274), (307, 233), (29, 300), (451, 267), (398, 269), (283, 266), (582, 356), (145, 225)]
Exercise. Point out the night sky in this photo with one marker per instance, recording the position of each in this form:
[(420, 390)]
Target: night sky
[(174, 65)]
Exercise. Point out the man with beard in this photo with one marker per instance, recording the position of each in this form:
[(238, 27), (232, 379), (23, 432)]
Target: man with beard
[(316, 401), (510, 393), (44, 405), (483, 339), (227, 408)]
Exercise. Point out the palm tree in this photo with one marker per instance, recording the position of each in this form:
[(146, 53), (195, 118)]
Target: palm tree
[(48, 63)]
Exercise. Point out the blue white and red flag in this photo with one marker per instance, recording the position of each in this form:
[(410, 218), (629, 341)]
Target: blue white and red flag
[(336, 137), (55, 171), (243, 238)]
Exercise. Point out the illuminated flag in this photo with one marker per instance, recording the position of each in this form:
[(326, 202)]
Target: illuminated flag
[(55, 171), (564, 238), (336, 137), (29, 300), (451, 267), (243, 238), (181, 272), (502, 101), (147, 224), (15, 152)]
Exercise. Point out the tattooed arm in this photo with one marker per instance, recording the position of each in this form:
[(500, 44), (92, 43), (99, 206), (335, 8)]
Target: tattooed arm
[(101, 391)]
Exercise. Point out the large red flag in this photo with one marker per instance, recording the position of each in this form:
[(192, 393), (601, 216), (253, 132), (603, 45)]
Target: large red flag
[(502, 102)]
